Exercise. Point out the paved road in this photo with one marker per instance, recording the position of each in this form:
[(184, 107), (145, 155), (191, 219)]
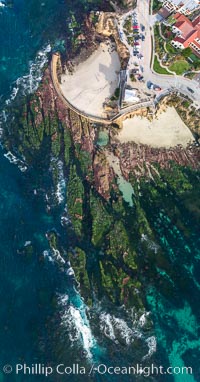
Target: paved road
[(147, 47), (164, 81)]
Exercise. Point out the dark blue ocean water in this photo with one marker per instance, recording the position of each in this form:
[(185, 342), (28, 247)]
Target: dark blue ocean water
[(37, 325), (25, 30), (24, 282)]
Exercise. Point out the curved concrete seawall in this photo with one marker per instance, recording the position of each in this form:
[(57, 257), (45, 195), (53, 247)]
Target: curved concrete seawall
[(54, 76), (121, 115)]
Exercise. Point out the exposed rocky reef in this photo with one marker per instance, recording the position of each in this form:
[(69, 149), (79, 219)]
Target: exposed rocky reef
[(107, 237), (147, 161)]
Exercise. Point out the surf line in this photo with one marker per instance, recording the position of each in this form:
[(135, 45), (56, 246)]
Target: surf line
[(75, 309)]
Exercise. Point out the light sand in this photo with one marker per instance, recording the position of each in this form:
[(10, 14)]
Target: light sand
[(93, 81), (167, 130)]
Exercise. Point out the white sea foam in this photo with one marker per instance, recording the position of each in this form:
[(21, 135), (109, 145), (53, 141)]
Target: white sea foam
[(70, 272), (4, 116), (60, 190), (77, 324), (65, 219), (13, 159), (57, 256), (57, 168), (63, 299), (28, 84), (143, 319), (75, 318), (106, 326), (153, 246), (2, 5), (27, 243), (152, 345), (114, 327), (3, 119), (48, 256)]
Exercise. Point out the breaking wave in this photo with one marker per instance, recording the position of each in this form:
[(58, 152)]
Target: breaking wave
[(28, 84), (78, 320), (73, 310), (116, 328), (13, 159), (56, 168), (2, 4), (152, 345), (61, 185), (75, 320)]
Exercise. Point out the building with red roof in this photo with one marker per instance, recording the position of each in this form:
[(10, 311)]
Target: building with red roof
[(187, 33), (186, 7)]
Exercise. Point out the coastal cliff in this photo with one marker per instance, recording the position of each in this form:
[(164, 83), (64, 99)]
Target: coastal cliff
[(108, 236), (99, 217)]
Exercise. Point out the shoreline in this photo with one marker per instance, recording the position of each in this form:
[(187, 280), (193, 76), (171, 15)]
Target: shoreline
[(166, 130), (93, 81)]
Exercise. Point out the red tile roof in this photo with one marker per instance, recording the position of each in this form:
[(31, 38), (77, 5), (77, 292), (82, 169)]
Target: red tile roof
[(196, 22), (178, 39), (189, 30), (178, 24), (180, 17)]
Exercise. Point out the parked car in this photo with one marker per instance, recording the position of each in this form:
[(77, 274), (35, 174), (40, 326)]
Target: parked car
[(150, 85), (190, 90), (142, 37), (156, 87), (142, 28), (134, 71)]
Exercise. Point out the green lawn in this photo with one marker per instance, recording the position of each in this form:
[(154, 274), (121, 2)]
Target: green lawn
[(196, 61), (158, 68), (179, 67), (156, 5)]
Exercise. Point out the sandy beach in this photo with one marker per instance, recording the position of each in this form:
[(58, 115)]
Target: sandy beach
[(167, 130), (93, 81)]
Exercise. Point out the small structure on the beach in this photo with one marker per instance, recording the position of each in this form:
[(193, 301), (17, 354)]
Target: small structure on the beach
[(131, 96)]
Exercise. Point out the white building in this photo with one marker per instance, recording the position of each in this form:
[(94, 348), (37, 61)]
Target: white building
[(186, 7), (130, 96)]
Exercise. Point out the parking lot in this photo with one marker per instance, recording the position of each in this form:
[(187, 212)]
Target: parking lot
[(135, 67), (140, 51), (139, 72)]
